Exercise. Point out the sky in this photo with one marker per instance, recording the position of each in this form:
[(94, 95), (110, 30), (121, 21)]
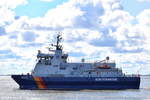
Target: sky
[(91, 29)]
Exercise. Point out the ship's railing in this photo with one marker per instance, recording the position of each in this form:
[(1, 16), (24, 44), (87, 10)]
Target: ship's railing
[(89, 61), (99, 61)]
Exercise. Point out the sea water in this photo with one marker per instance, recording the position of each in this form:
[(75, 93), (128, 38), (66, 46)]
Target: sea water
[(9, 90)]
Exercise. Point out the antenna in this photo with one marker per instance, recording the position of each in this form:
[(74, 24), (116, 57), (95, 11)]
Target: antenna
[(57, 45), (59, 38)]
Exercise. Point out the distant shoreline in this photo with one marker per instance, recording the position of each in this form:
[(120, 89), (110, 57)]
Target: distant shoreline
[(5, 75)]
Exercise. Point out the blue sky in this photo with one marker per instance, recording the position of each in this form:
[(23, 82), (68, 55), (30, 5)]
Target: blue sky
[(91, 29), (37, 8), (135, 6)]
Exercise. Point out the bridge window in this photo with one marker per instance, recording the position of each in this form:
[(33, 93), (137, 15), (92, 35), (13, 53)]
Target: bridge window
[(75, 68), (62, 68), (55, 65)]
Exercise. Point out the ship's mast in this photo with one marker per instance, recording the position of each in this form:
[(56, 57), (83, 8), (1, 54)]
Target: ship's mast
[(58, 46)]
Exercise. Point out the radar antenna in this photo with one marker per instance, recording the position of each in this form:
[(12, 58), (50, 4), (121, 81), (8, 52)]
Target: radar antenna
[(58, 45)]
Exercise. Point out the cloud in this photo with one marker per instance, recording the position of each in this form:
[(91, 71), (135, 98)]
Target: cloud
[(13, 3), (75, 13), (144, 17), (90, 29), (6, 16)]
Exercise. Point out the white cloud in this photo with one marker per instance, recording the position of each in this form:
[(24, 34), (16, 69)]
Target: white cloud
[(116, 18), (64, 17), (144, 17), (6, 16), (94, 28), (12, 3)]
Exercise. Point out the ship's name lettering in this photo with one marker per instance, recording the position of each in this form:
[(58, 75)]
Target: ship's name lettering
[(105, 79), (24, 77)]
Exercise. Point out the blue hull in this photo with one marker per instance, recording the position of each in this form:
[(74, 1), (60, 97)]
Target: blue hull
[(76, 83)]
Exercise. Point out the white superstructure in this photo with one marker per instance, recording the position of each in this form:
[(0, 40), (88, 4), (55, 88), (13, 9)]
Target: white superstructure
[(55, 64)]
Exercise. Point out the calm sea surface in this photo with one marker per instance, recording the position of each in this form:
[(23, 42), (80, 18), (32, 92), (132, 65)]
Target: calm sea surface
[(9, 91)]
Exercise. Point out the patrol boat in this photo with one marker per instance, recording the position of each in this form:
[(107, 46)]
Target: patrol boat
[(52, 71)]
